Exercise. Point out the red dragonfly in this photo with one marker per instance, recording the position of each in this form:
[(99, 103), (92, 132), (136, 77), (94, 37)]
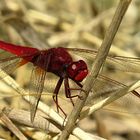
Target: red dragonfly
[(59, 61), (54, 60)]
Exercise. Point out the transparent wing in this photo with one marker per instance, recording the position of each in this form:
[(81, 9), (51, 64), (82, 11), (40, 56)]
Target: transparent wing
[(37, 83), (36, 88), (105, 87), (10, 63), (128, 64)]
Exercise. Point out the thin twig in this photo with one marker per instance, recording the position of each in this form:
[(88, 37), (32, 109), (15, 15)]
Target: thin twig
[(99, 60)]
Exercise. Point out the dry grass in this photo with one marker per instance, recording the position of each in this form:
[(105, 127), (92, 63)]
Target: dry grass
[(74, 24)]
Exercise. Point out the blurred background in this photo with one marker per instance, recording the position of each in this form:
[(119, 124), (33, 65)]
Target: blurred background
[(73, 24)]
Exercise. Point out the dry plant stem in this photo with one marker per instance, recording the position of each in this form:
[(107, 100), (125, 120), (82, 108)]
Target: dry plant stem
[(99, 60), (23, 117), (11, 126)]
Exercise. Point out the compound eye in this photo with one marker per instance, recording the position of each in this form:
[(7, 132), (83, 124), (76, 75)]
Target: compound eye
[(77, 70)]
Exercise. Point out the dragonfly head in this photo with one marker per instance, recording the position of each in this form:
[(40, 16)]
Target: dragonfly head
[(77, 71)]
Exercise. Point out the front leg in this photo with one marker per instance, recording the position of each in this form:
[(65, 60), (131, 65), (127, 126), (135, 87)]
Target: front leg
[(67, 90), (55, 96)]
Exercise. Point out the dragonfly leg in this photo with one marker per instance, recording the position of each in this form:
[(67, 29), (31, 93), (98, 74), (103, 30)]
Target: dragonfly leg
[(80, 89), (67, 90), (55, 98), (80, 85)]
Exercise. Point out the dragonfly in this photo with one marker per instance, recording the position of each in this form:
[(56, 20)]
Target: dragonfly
[(59, 61), (55, 60)]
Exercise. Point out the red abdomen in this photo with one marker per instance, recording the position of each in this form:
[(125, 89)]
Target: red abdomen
[(17, 50)]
